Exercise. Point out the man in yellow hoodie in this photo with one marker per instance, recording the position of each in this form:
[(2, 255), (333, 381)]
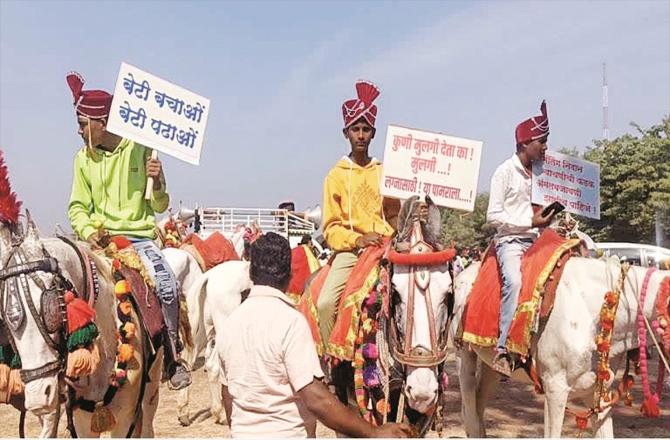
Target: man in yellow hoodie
[(353, 208)]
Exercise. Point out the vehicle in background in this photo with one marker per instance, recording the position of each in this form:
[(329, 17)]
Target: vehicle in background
[(644, 255)]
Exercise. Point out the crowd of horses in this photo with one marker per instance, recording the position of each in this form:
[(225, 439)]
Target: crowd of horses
[(427, 305)]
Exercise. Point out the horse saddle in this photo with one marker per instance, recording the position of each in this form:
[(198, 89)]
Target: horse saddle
[(215, 249), (541, 269), (149, 312)]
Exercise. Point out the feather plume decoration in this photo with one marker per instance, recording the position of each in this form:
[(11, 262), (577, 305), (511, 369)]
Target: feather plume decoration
[(9, 206)]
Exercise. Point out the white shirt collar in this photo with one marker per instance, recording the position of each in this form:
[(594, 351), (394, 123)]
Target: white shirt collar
[(519, 165), (267, 291)]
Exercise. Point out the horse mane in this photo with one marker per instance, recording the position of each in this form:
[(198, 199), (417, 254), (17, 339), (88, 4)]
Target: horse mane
[(103, 265), (408, 214), (9, 205)]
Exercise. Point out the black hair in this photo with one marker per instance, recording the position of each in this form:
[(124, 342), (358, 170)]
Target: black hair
[(270, 258)]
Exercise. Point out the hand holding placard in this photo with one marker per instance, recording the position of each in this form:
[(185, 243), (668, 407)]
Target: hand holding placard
[(150, 180)]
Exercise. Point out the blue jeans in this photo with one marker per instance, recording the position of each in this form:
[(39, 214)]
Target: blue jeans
[(166, 288), (509, 255)]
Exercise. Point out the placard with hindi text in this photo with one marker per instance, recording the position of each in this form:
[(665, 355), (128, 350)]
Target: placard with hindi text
[(158, 114), (418, 162), (573, 182)]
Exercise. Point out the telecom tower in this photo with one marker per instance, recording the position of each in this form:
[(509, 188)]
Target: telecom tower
[(606, 128)]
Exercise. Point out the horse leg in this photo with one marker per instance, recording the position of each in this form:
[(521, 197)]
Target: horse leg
[(215, 388), (488, 382), (49, 423), (151, 397), (182, 406), (603, 425), (556, 398), (468, 384)]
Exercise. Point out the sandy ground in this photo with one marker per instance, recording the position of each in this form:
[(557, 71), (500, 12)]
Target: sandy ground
[(515, 411)]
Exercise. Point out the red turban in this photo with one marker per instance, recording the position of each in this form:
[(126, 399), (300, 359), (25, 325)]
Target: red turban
[(533, 128), (94, 104), (354, 109)]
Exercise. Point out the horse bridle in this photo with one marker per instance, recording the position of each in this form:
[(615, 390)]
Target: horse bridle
[(418, 356), (11, 276)]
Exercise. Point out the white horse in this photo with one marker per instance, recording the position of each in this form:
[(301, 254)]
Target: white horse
[(211, 299), (189, 273), (564, 350), (42, 362), (421, 385)]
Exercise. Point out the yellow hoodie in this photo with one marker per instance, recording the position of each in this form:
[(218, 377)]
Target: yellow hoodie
[(352, 205)]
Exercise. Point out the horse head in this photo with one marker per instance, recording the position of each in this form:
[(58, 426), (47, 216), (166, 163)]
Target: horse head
[(421, 283), (28, 275)]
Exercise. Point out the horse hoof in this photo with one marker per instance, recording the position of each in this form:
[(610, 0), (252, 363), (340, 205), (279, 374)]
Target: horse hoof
[(220, 421), (184, 421)]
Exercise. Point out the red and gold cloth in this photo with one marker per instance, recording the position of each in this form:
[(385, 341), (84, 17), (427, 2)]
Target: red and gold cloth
[(363, 277), (482, 310), (213, 250), (303, 264)]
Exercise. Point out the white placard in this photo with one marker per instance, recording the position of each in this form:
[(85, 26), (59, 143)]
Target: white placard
[(573, 182), (418, 162), (158, 114)]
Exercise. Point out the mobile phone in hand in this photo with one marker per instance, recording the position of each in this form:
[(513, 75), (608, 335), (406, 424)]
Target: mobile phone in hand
[(553, 209)]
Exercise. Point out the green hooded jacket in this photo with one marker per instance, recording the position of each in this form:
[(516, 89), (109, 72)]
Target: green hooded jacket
[(108, 192)]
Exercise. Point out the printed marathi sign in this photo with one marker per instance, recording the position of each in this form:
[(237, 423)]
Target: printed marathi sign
[(156, 113), (420, 162), (573, 182)]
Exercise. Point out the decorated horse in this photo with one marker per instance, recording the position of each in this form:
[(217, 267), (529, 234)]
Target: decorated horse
[(214, 295), (79, 325), (578, 321), (389, 342), (63, 310)]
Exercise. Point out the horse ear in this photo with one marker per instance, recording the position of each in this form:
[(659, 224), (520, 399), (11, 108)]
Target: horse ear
[(31, 242), (5, 241)]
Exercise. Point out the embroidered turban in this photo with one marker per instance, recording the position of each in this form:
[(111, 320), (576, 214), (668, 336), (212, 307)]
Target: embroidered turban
[(533, 128), (94, 104), (361, 107)]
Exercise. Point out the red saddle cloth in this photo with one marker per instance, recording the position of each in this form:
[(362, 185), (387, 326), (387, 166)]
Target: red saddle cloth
[(363, 277), (303, 264), (215, 249), (482, 310)]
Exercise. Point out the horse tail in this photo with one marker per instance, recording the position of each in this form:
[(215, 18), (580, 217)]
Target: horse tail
[(195, 303)]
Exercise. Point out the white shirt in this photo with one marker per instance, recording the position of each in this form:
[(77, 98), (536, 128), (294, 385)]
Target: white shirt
[(510, 210), (268, 356)]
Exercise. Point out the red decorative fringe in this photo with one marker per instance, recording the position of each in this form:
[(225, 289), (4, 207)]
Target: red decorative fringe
[(9, 206), (79, 313), (650, 407), (428, 259)]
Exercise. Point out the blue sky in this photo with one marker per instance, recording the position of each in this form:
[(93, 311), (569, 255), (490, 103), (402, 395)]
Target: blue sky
[(277, 73)]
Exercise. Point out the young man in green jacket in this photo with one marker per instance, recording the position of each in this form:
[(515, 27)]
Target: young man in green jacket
[(108, 186)]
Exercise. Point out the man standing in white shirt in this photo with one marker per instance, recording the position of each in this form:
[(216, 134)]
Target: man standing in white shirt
[(510, 212), (270, 364)]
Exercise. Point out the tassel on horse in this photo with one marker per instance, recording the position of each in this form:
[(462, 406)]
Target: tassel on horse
[(83, 357)]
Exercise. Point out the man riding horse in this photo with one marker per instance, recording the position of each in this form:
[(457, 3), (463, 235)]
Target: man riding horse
[(511, 213), (353, 208), (107, 199)]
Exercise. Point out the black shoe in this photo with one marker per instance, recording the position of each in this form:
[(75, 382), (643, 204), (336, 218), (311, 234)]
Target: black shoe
[(502, 364), (180, 378)]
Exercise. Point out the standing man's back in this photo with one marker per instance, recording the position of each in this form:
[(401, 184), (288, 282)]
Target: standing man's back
[(270, 366), (269, 354)]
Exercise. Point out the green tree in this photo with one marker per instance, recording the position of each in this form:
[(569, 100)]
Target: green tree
[(634, 187), (467, 228)]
